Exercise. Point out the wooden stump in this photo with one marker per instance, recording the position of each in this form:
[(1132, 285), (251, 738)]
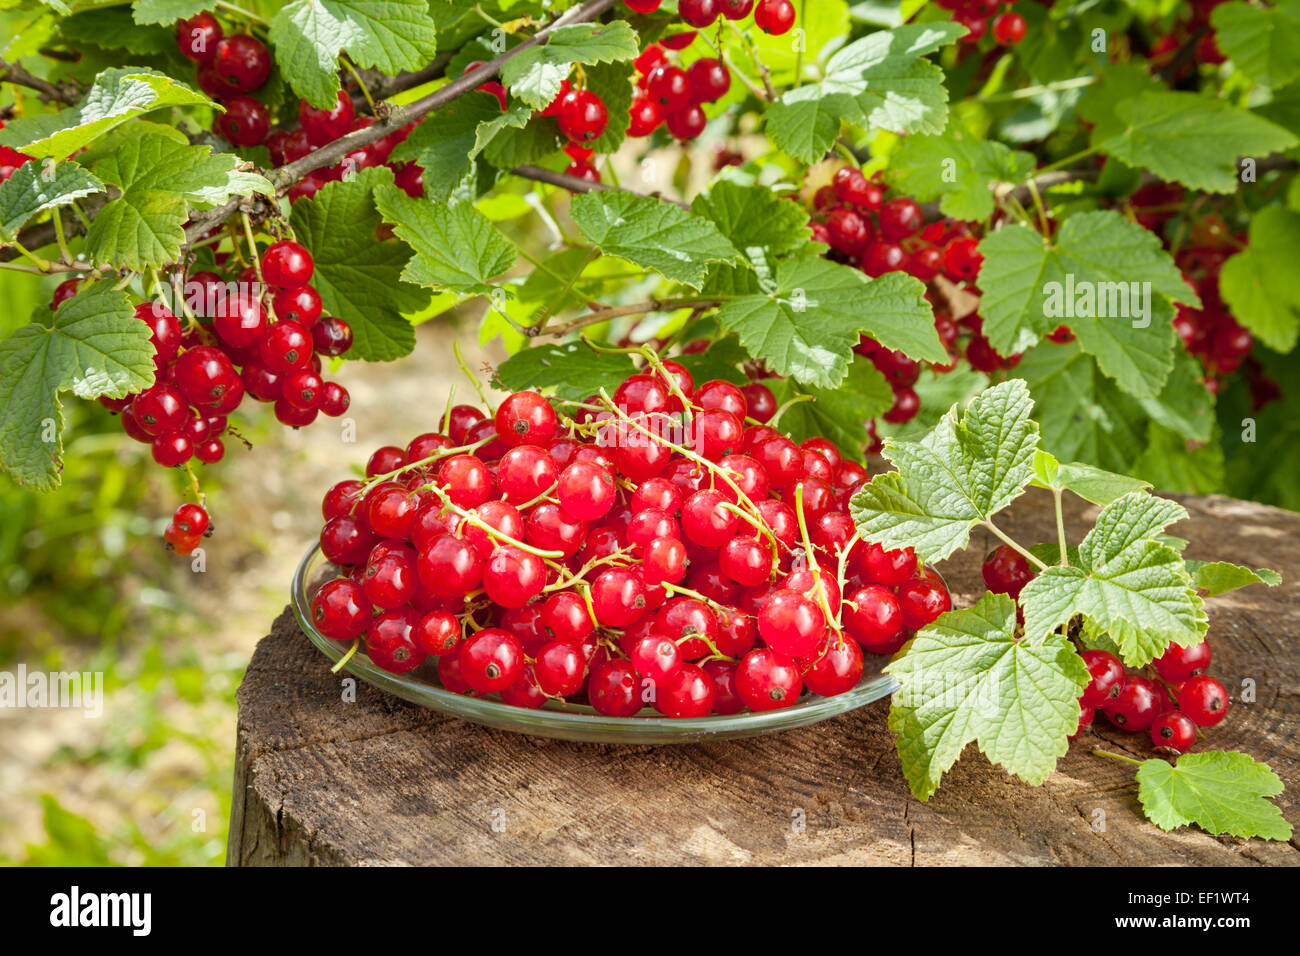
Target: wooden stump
[(380, 781)]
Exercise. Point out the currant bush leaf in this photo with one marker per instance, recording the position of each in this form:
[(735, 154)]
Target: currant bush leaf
[(1222, 792), (652, 233), (839, 413), (535, 74), (881, 81), (1184, 405), (456, 246), (1263, 42), (33, 189), (1096, 485), (1083, 414), (962, 472), (1220, 577), (806, 324), (388, 35), (92, 345), (1098, 262), (1126, 582), (447, 142), (161, 180), (112, 28), (957, 169), (967, 677), (358, 276), (754, 218), (1257, 283), (1166, 133), (166, 12), (721, 360), (612, 82), (116, 96), (571, 370)]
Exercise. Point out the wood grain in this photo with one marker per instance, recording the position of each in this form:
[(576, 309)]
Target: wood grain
[(380, 782)]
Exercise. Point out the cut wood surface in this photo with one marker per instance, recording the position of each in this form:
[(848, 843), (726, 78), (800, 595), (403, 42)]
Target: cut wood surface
[(321, 781)]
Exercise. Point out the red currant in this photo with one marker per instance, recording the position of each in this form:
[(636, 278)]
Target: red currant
[(1204, 700)]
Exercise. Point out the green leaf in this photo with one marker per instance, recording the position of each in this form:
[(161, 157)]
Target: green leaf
[(388, 35), (960, 473), (92, 345), (839, 413), (1091, 484), (571, 370), (1220, 577), (754, 218), (512, 145), (651, 232), (1174, 463), (612, 82), (34, 188), (880, 81), (357, 277), (1263, 42), (1126, 582), (1166, 133), (167, 12), (1105, 277), (448, 140), (456, 247), (161, 181), (112, 28), (807, 324), (535, 74), (1184, 405), (1083, 415), (967, 677), (957, 169), (1119, 82), (1258, 282), (116, 96), (721, 360), (1222, 792)]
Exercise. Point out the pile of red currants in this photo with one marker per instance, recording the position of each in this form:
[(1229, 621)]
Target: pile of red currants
[(659, 547)]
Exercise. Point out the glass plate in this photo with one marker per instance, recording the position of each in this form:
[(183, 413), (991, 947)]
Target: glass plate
[(561, 720)]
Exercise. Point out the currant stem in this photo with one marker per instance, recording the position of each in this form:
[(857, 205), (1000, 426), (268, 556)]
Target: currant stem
[(412, 465), (810, 556), (1098, 752), (342, 661), (257, 260), (482, 525), (1060, 528), (473, 380), (361, 84), (1002, 536), (776, 417)]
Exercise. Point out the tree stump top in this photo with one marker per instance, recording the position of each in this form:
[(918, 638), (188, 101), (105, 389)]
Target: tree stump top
[(379, 781)]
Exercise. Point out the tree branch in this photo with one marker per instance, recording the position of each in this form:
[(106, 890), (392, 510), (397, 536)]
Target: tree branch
[(616, 311), (576, 184), (66, 92)]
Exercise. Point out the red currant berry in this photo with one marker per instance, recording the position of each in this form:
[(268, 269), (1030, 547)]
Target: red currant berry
[(768, 680), (838, 670), (242, 61), (466, 480), (688, 693), (385, 459), (706, 520), (526, 418), (1204, 700), (164, 330), (686, 123), (287, 265), (709, 78), (390, 581), (774, 17), (159, 410), (760, 401), (962, 259), (340, 610), (670, 87), (197, 37), (1006, 571), (491, 660), (448, 566), (1009, 28), (1177, 664), (587, 491), (791, 623), (513, 577), (240, 321), (646, 115), (582, 116), (618, 597), (614, 688), (245, 122), (438, 633), (899, 218), (874, 618), (334, 399), (331, 336), (301, 305), (285, 347), (699, 13), (559, 669), (1137, 705), (525, 472), (1173, 732), (1106, 678), (923, 599), (848, 231)]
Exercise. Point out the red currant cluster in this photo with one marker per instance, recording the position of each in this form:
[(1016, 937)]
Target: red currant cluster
[(1008, 26), (244, 348), (1166, 47), (609, 559), (879, 235), (230, 68), (771, 16), (10, 159), (673, 97), (1171, 704)]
